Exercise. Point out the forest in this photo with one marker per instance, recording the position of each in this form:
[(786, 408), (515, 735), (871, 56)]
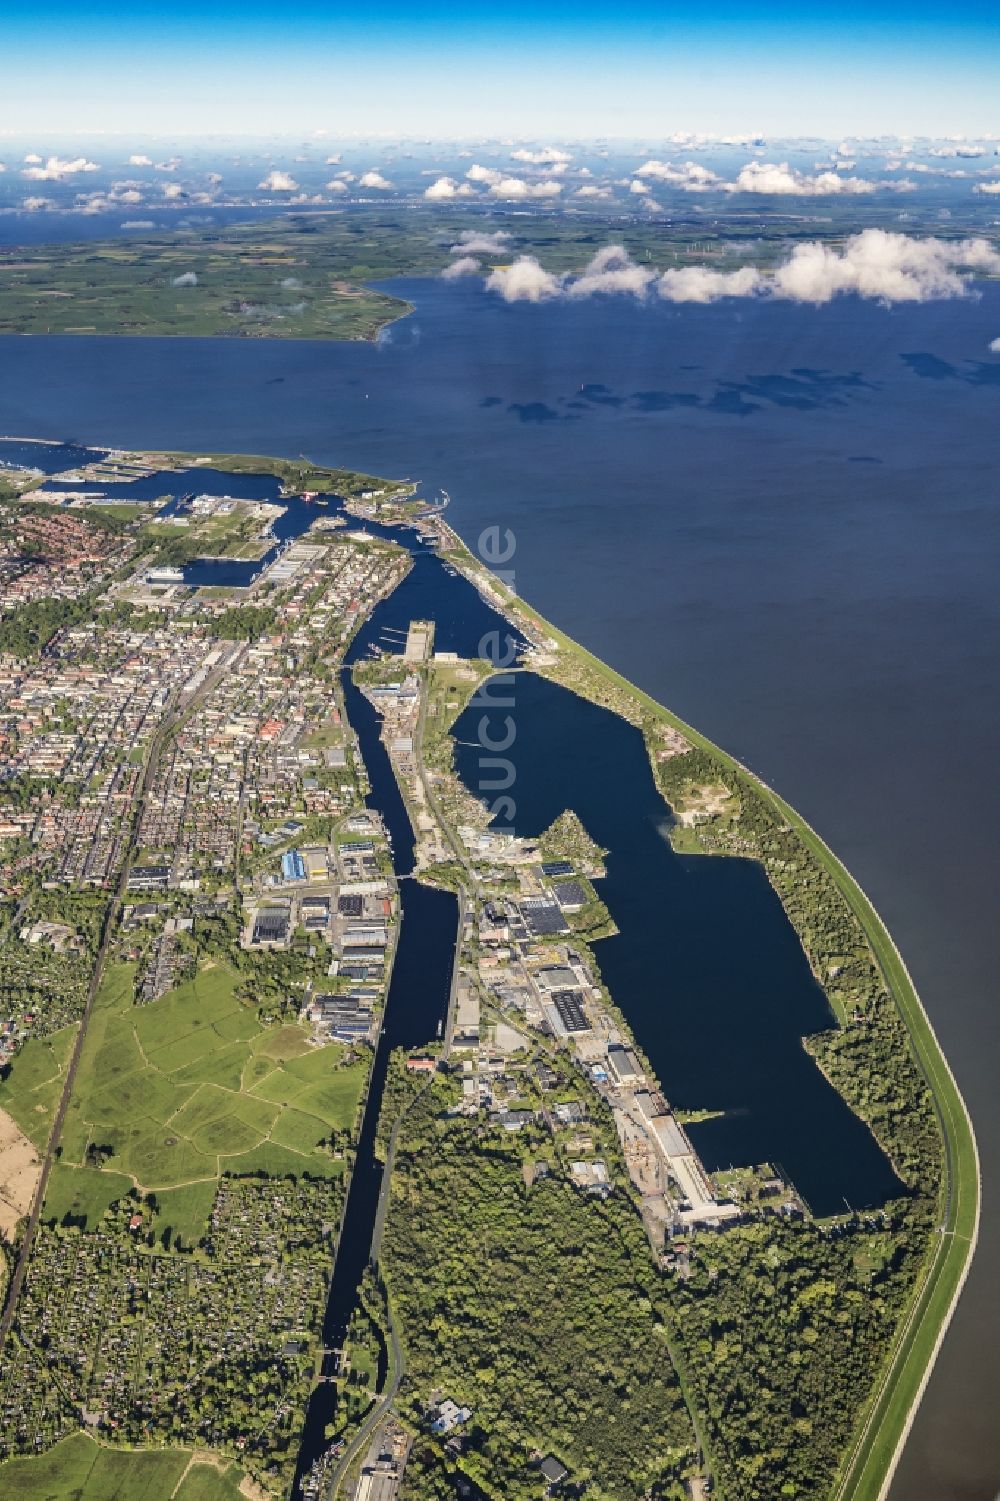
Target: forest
[(535, 1307)]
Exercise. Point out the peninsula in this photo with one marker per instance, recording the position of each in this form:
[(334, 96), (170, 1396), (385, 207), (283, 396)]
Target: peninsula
[(365, 1113)]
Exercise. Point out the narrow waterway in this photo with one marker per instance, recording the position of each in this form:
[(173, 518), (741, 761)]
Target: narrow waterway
[(417, 1001)]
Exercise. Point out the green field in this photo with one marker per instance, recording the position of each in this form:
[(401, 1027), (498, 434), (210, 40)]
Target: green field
[(170, 1095), (31, 1091), (82, 1193), (244, 285), (78, 1469), (206, 1482)]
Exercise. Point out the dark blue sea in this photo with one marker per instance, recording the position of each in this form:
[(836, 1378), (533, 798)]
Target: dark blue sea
[(783, 522)]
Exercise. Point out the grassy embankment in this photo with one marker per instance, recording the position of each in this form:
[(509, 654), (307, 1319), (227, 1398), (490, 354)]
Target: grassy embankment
[(885, 1421)]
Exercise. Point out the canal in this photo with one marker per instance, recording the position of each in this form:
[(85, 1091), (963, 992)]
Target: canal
[(417, 1001)]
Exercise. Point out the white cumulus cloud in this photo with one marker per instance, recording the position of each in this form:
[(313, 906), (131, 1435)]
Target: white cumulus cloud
[(477, 173), (878, 263), (55, 168), (545, 156), (524, 281), (515, 188), (336, 186), (465, 265), (447, 187), (699, 284), (35, 205), (611, 270), (375, 179), (994, 346), (692, 177), (478, 242), (988, 187), (875, 263), (138, 160), (780, 178), (186, 279), (138, 224), (278, 182)]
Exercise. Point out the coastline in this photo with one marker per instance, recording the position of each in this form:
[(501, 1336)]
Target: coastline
[(903, 1381)]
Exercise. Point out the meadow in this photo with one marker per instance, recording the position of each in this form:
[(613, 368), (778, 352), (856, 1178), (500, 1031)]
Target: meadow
[(83, 1470), (170, 1096), (31, 1091)]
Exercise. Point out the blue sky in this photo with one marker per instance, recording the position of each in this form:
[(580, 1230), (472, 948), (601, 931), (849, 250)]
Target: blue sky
[(566, 69)]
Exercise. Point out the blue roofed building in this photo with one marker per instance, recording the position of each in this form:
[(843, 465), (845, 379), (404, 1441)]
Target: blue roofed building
[(293, 867)]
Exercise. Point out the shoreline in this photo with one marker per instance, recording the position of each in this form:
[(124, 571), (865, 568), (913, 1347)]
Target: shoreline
[(942, 1270)]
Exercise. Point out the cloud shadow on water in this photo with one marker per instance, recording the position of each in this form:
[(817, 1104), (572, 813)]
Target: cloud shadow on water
[(973, 373), (538, 411), (802, 389)]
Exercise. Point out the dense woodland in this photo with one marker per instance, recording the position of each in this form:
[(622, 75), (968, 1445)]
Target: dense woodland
[(783, 1327), (541, 1309), (29, 629)]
